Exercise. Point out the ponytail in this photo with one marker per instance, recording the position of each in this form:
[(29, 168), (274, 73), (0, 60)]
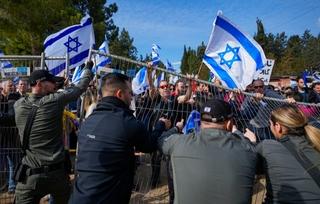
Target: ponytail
[(313, 135)]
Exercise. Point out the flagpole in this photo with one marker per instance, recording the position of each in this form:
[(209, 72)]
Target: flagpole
[(67, 65), (42, 60), (96, 68), (90, 54), (200, 68)]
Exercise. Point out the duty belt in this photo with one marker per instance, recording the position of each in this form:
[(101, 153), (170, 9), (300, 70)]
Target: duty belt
[(45, 169)]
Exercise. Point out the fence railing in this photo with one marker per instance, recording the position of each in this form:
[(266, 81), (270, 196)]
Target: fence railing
[(151, 177)]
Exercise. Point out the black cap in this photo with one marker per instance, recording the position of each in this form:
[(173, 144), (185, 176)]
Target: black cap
[(43, 75), (216, 110)]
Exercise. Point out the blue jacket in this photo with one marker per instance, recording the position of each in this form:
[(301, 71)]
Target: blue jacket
[(106, 161)]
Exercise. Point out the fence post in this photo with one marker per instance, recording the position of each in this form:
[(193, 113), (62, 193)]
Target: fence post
[(42, 63)]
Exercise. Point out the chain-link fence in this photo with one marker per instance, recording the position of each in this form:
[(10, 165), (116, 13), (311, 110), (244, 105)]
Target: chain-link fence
[(172, 100)]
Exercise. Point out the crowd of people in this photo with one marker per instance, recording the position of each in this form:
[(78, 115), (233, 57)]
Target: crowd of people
[(240, 136)]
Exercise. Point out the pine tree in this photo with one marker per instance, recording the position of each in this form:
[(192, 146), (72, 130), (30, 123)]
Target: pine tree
[(184, 61), (260, 36), (123, 45)]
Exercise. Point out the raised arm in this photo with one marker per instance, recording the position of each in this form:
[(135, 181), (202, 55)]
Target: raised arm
[(72, 93), (152, 88)]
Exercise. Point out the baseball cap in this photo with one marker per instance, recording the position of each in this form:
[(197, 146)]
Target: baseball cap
[(216, 110), (43, 75)]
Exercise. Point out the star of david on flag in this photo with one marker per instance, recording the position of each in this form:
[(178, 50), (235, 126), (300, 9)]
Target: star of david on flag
[(75, 40), (231, 55), (72, 44)]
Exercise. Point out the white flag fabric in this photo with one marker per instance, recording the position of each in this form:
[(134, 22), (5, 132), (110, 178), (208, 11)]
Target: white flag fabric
[(155, 54), (140, 81), (75, 40), (232, 55), (156, 81), (102, 60)]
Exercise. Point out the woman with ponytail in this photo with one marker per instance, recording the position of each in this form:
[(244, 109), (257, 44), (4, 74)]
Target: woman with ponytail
[(292, 161)]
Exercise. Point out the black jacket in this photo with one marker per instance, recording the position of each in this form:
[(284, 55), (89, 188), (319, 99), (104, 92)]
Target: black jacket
[(314, 97), (107, 141)]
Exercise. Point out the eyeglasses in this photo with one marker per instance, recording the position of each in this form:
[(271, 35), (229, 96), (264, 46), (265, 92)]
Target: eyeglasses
[(163, 87), (257, 87)]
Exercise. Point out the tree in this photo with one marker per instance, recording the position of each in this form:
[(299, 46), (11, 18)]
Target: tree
[(24, 25), (123, 45), (260, 36), (102, 17), (204, 72), (184, 60), (310, 50)]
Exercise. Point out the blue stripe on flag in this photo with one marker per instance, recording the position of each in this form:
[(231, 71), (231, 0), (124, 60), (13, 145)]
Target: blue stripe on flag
[(243, 40), (104, 63), (142, 75), (77, 58), (221, 72), (66, 32)]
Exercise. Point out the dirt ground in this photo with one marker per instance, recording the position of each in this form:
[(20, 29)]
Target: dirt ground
[(144, 194)]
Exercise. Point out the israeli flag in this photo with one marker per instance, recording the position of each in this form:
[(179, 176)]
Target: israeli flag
[(6, 63), (16, 80), (155, 54), (232, 55), (211, 76), (172, 78), (101, 60), (75, 40), (157, 80), (77, 74), (170, 67), (316, 76), (193, 123), (140, 81)]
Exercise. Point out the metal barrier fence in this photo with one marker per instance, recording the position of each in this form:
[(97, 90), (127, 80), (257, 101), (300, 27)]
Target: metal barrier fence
[(151, 175)]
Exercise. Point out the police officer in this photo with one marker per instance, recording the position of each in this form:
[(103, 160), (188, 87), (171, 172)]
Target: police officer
[(45, 173), (207, 166)]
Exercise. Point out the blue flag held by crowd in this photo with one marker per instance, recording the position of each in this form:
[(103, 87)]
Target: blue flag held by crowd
[(233, 56), (75, 40), (193, 123)]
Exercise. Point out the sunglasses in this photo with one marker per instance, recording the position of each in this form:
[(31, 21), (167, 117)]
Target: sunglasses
[(257, 87), (163, 87)]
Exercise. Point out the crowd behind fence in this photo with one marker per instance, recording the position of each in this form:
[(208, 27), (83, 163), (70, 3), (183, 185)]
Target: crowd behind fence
[(150, 184)]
